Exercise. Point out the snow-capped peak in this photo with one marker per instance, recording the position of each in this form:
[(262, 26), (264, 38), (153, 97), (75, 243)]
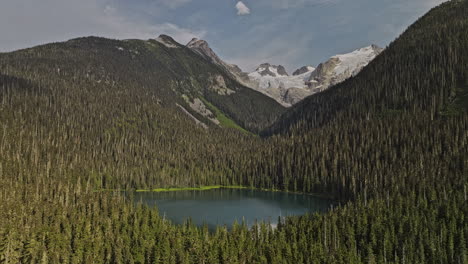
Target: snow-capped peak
[(341, 67), (303, 70), (356, 59), (275, 82), (266, 69), (307, 80)]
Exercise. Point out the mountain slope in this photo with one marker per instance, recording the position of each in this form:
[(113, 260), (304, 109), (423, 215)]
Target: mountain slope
[(341, 67), (397, 167), (275, 82), (202, 48), (425, 69), (289, 90), (178, 76)]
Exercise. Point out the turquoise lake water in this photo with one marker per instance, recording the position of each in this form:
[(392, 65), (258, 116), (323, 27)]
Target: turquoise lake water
[(225, 206)]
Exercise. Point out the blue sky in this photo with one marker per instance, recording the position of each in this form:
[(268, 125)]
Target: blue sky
[(293, 33)]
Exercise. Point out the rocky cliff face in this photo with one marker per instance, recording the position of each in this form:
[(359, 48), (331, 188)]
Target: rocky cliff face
[(202, 48), (341, 67), (303, 70), (288, 90), (168, 41), (266, 69), (274, 80)]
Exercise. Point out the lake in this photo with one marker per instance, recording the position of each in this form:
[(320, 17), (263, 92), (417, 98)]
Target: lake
[(224, 206)]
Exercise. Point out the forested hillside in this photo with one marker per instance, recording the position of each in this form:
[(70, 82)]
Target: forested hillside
[(391, 144), (170, 72), (424, 70)]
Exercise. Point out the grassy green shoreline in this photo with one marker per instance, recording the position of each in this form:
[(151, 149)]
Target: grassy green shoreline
[(201, 188), (214, 187)]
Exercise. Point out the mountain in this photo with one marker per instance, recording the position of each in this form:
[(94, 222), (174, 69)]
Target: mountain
[(303, 70), (168, 42), (275, 82), (341, 67), (202, 48), (267, 69), (180, 78), (273, 77), (423, 71), (288, 90), (86, 123)]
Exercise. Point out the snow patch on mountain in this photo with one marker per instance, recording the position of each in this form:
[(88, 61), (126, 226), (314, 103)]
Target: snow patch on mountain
[(288, 90), (341, 67), (274, 81), (355, 60), (268, 77), (303, 70)]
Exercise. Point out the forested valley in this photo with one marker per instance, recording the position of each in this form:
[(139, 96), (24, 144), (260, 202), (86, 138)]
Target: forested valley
[(79, 122)]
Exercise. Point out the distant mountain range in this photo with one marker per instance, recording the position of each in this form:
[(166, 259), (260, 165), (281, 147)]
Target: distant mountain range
[(191, 78), (274, 80)]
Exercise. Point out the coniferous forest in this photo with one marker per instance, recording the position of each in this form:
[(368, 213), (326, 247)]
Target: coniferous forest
[(81, 120)]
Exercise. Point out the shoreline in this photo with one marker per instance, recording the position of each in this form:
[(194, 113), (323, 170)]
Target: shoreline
[(215, 187)]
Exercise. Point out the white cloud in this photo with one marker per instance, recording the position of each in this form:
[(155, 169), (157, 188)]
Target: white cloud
[(276, 50), (25, 23), (242, 9), (117, 25)]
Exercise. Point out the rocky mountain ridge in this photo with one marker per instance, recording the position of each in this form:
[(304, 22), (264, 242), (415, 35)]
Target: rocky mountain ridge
[(341, 67), (274, 80), (202, 48), (307, 80)]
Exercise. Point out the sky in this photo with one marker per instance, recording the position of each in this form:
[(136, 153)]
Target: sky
[(292, 33)]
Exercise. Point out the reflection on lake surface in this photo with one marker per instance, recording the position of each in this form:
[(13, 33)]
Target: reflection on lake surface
[(225, 206)]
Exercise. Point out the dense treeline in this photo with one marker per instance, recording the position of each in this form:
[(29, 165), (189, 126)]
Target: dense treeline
[(56, 227), (391, 143), (424, 70), (167, 74)]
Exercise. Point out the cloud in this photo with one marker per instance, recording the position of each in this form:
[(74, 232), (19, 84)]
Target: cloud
[(25, 23), (173, 3), (242, 9), (303, 31), (115, 24), (286, 48), (287, 4)]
